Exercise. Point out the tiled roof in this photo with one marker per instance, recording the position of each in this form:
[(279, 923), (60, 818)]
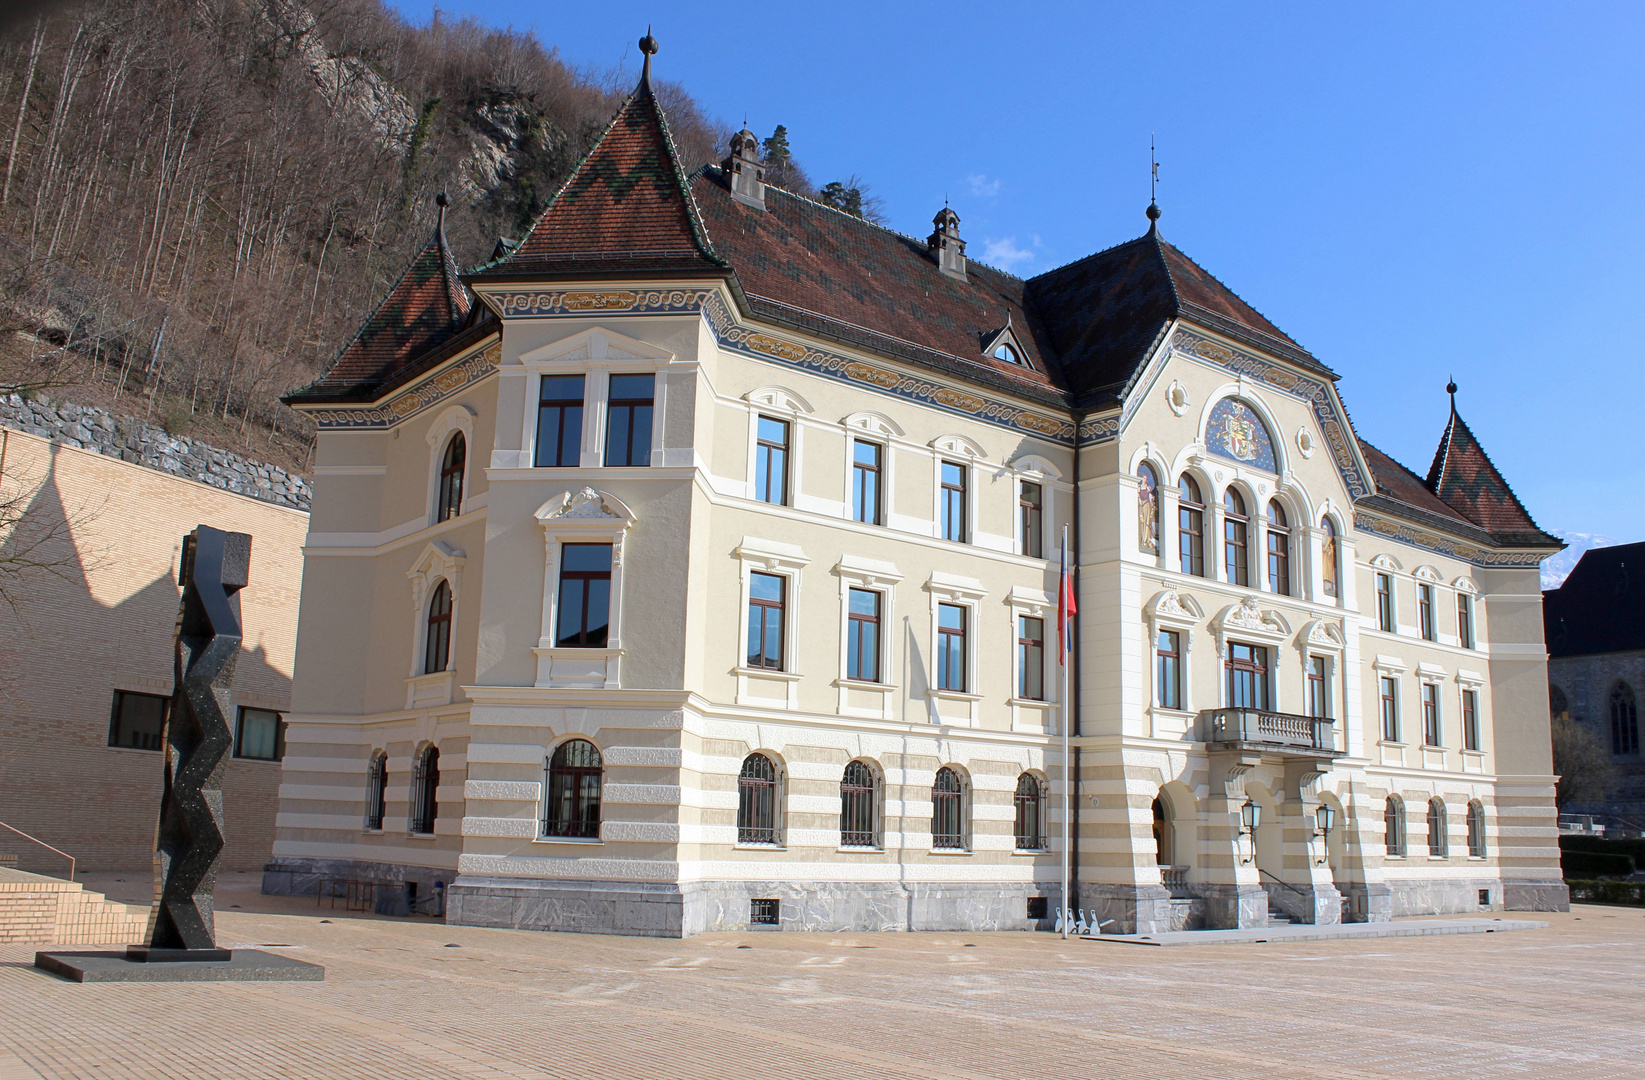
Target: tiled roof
[(624, 206), (827, 272), (1598, 609), (1104, 313), (1396, 482), (1464, 477), (427, 306)]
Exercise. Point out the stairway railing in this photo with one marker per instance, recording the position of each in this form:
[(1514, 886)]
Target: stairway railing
[(43, 844)]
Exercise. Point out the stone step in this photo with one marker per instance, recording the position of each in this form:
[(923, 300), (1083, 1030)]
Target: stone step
[(40, 910)]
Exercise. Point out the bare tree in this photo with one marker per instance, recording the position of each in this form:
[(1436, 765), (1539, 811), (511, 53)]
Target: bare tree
[(1584, 766)]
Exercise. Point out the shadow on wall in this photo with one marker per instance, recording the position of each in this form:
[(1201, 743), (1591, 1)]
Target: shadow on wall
[(63, 654)]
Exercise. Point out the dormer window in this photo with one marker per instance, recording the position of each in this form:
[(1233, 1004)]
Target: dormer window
[(1005, 352)]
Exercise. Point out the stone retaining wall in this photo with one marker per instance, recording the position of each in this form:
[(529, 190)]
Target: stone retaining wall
[(141, 443)]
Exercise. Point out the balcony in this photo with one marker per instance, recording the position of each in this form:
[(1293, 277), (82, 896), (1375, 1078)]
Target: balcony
[(1270, 732)]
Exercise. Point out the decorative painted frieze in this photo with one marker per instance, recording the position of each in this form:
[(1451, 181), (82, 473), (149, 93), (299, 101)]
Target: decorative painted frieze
[(427, 393), (1403, 533)]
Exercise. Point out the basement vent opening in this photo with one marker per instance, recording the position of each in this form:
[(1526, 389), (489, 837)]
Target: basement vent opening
[(1039, 907), (1485, 898), (762, 912)]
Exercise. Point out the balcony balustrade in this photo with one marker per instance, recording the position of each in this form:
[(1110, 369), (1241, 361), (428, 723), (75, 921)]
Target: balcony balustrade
[(1270, 732)]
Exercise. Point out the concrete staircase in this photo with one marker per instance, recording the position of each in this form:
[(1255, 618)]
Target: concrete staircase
[(39, 910)]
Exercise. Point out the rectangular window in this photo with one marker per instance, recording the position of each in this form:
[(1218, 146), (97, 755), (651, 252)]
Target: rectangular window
[(628, 420), (1247, 676), (1390, 709), (585, 596), (1430, 715), (862, 636), (560, 422), (1470, 720), (953, 501), (1030, 658), (138, 721), (1030, 504), (766, 596), (1319, 692), (261, 735), (950, 647), (1465, 620), (1168, 665), (865, 481), (1425, 611), (1385, 603), (771, 461)]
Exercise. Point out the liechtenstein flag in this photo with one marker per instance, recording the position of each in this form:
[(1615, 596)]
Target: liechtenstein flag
[(1067, 608)]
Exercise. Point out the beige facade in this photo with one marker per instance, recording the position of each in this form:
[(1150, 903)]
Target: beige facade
[(100, 620), (674, 706)]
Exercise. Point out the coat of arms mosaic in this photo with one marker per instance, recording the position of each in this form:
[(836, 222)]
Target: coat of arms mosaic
[(1237, 433)]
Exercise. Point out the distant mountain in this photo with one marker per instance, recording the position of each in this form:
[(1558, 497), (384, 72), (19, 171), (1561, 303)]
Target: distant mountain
[(1555, 570)]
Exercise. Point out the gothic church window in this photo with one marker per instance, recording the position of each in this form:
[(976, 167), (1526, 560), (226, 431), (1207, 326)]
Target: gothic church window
[(1624, 720)]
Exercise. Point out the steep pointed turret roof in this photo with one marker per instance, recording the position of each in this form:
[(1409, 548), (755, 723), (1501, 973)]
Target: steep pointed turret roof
[(427, 306), (626, 206), (1464, 477), (1104, 313)]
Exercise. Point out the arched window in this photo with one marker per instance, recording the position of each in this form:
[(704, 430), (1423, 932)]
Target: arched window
[(1279, 550), (425, 781), (1439, 845), (1190, 526), (1005, 352), (1162, 838), (1147, 509), (1624, 720), (437, 649), (1476, 830), (1558, 707), (573, 804), (1393, 826), (1030, 800), (757, 801), (859, 806), (948, 810), (1328, 557), (376, 790), (451, 479), (1236, 525)]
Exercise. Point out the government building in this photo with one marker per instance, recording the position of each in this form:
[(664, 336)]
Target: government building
[(693, 565)]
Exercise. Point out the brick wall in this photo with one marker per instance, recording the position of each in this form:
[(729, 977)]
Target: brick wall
[(101, 619)]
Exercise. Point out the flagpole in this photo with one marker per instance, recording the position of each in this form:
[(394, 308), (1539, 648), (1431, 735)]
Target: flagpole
[(1067, 792)]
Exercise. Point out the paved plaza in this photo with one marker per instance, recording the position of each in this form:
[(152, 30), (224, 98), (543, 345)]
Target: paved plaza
[(413, 998)]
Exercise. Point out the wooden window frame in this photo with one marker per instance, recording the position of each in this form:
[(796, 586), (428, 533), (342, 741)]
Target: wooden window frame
[(1388, 697), (954, 504), (1168, 669), (452, 466), (1236, 539), (631, 406), (857, 624), (1384, 587), (1471, 739), (1031, 518), (1279, 551), (1428, 624), (1258, 672), (437, 631), (1190, 527), (765, 608), (865, 510), (765, 451), (563, 406), (567, 784), (946, 649), (1433, 733), (1030, 659)]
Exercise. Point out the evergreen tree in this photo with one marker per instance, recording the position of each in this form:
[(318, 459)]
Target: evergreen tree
[(844, 198), (777, 155)]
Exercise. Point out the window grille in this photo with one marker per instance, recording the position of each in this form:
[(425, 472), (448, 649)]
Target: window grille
[(757, 801), (859, 796), (376, 791), (1393, 826), (1030, 804), (572, 807), (763, 912), (425, 781), (948, 810)]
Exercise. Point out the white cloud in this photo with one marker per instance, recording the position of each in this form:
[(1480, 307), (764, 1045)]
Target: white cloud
[(1004, 252), (983, 186)]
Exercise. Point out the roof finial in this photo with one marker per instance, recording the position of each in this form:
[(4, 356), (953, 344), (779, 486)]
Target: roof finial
[(442, 200), (1153, 182), (648, 45), (1451, 388)]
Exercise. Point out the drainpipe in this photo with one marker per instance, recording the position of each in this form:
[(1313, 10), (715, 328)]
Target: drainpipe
[(1072, 707)]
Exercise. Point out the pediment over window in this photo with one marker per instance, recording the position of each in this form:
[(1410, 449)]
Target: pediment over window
[(957, 444), (595, 345), (779, 399), (1465, 584), (1428, 573), (1322, 633), (1172, 605), (1386, 562), (1034, 463), (585, 505), (438, 559), (874, 423), (1247, 617)]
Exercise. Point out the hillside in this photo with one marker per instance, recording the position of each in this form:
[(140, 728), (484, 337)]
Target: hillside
[(200, 200)]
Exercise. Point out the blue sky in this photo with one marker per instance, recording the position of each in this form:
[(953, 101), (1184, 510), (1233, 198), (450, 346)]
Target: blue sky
[(1410, 191)]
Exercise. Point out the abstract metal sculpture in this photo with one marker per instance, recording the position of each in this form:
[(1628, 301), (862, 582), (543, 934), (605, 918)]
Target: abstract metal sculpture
[(189, 840)]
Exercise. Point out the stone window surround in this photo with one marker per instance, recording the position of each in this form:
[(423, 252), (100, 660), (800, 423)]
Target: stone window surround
[(1035, 469), (967, 593), (966, 812), (438, 562), (779, 806), (458, 419), (884, 432), (1323, 639), (1252, 625), (595, 354), (1472, 760), (582, 517), (1392, 668), (881, 578), (1170, 610), (1046, 713), (959, 450), (540, 811), (878, 846), (786, 561), (1425, 574), (1433, 754), (780, 403)]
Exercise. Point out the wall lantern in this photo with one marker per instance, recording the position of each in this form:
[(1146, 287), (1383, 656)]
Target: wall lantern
[(1326, 817), (1250, 815)]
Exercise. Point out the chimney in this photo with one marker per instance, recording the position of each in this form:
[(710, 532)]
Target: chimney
[(945, 244), (744, 168)]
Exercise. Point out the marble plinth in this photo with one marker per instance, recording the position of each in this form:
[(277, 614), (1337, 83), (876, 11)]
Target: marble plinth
[(243, 965)]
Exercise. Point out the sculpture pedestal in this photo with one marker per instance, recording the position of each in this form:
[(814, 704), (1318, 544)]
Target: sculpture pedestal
[(239, 965)]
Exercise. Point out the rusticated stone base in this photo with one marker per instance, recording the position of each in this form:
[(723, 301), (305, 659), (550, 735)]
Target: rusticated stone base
[(1535, 896), (1129, 909), (1446, 896), (1366, 903), (1234, 907), (667, 910), (285, 876), (1314, 905)]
